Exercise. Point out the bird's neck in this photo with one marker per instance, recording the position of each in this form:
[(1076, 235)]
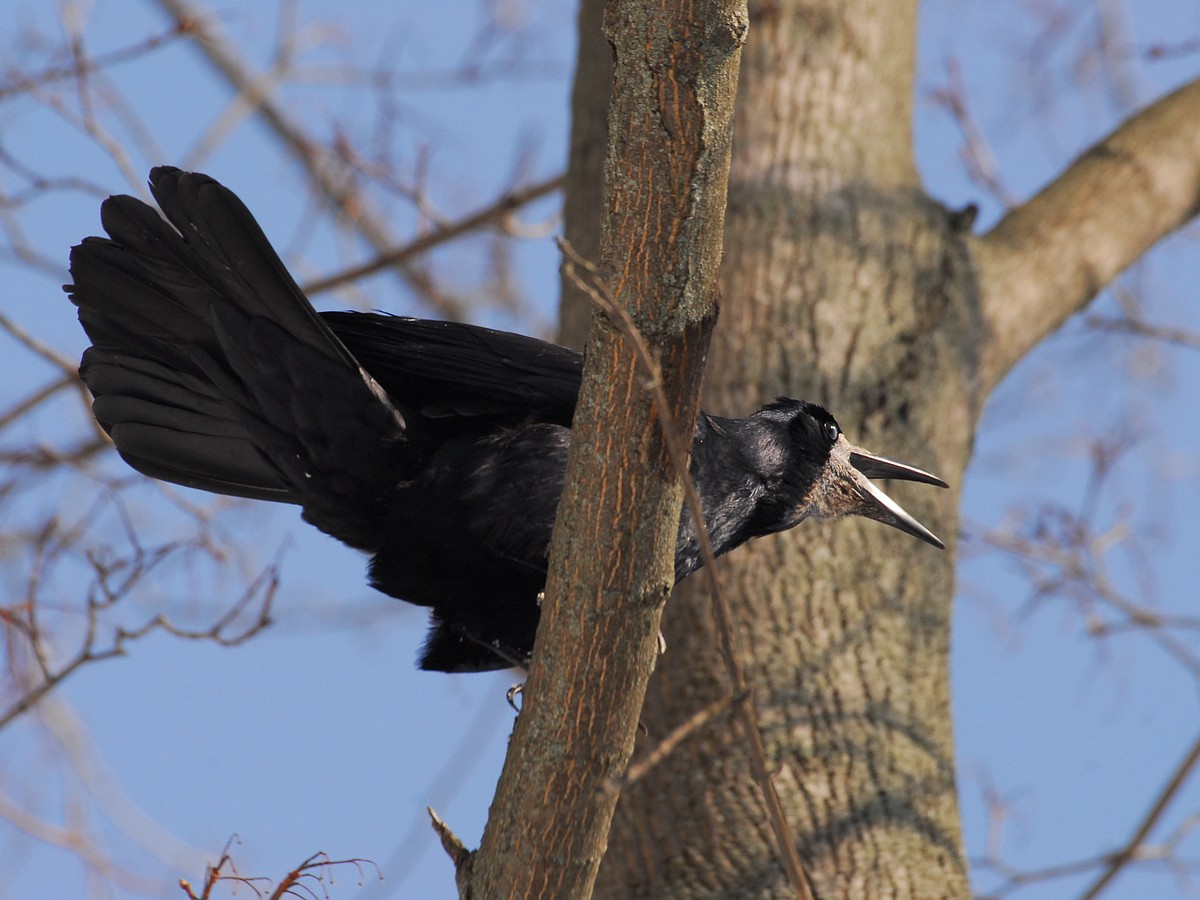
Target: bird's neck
[(729, 476)]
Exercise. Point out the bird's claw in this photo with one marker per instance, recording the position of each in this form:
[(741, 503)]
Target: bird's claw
[(512, 693)]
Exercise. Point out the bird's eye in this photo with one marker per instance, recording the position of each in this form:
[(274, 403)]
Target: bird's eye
[(831, 432)]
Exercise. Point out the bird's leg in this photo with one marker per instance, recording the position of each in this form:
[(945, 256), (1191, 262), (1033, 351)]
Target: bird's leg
[(518, 689)]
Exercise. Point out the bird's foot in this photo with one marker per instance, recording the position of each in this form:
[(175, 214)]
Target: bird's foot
[(662, 644), (541, 598), (513, 693)]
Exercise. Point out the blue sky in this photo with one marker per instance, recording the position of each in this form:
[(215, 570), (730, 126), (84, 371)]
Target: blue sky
[(319, 734)]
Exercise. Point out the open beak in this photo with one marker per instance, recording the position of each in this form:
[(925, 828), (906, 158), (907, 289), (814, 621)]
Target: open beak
[(875, 504)]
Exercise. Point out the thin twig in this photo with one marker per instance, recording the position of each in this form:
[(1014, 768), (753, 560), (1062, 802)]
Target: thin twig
[(1169, 792), (21, 407), (501, 207), (331, 180), (34, 345), (1128, 325), (976, 153), (678, 735), (261, 590), (19, 82)]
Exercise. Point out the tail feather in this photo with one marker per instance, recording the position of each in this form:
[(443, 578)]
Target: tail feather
[(170, 424), (211, 369)]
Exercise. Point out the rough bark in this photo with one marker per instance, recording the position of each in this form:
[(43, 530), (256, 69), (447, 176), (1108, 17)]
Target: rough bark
[(667, 166)]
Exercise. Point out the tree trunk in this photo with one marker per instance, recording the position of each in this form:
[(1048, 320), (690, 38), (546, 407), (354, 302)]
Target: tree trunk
[(843, 284), (667, 165), (583, 196)]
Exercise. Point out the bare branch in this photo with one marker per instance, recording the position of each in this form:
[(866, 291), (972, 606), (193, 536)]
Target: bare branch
[(451, 843), (316, 870), (34, 345), (1067, 553), (23, 620), (1140, 327), (697, 721), (323, 168), (1170, 790), (493, 212), (1048, 257), (976, 153), (19, 82), (74, 840), (36, 398)]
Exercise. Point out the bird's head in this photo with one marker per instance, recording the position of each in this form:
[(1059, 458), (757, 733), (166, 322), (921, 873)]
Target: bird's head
[(827, 477)]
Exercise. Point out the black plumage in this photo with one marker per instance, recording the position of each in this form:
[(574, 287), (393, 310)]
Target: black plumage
[(437, 447)]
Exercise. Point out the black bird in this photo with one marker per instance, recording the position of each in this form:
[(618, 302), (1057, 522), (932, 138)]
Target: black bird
[(437, 447)]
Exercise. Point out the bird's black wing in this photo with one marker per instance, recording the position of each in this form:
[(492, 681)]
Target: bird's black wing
[(452, 369), (211, 369)]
